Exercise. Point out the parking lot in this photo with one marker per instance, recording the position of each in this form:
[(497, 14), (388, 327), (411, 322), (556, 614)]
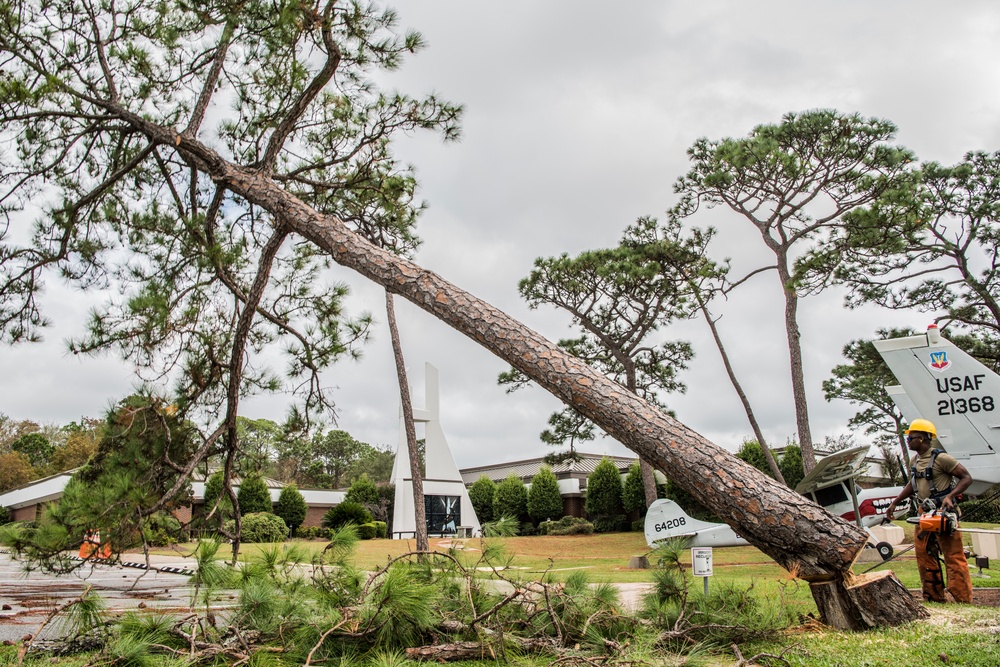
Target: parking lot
[(27, 598)]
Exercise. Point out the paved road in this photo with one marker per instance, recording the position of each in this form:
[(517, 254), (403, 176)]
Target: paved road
[(27, 598), (31, 596)]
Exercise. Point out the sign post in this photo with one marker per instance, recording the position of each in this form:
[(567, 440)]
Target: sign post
[(701, 564)]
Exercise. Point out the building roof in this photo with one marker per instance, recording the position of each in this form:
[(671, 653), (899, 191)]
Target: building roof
[(51, 488), (528, 468)]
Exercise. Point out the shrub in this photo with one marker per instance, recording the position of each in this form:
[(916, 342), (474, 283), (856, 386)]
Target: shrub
[(367, 531), (163, 529), (544, 498), (314, 533), (481, 494), (345, 513), (254, 496), (568, 525), (4, 515), (363, 491), (981, 511), (751, 452), (261, 527), (610, 524), (213, 489), (511, 498), (291, 507), (381, 529), (633, 490), (604, 491), (791, 466)]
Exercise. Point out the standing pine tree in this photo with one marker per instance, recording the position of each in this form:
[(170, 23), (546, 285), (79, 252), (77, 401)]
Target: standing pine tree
[(481, 494), (253, 495), (291, 507), (604, 496), (544, 498)]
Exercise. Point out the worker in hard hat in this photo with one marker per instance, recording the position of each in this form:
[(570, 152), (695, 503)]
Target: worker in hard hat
[(938, 480)]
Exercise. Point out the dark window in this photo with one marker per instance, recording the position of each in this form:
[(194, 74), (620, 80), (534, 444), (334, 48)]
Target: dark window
[(831, 494), (444, 514)]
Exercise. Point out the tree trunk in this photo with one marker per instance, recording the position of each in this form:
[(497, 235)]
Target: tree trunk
[(648, 481), (771, 463), (801, 536), (795, 364), (865, 602), (416, 475), (646, 468)]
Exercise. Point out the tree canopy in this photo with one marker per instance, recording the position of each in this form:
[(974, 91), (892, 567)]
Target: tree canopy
[(795, 181), (208, 277), (933, 248)]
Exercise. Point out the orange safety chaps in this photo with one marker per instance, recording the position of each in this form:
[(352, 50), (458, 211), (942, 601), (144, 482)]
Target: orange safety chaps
[(928, 547)]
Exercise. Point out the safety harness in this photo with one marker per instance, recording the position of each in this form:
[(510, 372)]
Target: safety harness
[(928, 474)]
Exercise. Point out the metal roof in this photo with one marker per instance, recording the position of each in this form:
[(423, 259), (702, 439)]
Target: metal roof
[(528, 468)]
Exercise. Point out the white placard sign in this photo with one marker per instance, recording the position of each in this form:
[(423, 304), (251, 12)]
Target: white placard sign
[(701, 561)]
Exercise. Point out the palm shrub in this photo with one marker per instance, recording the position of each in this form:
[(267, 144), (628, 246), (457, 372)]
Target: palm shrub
[(291, 507), (544, 498), (254, 496), (511, 499), (344, 513), (604, 496)]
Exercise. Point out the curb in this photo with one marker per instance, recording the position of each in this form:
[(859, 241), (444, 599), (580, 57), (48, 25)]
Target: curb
[(137, 566)]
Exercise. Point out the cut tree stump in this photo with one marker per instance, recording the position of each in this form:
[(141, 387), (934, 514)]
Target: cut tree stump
[(863, 602), (638, 563)]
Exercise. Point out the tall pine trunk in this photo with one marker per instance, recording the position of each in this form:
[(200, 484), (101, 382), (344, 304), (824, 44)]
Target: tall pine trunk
[(416, 475)]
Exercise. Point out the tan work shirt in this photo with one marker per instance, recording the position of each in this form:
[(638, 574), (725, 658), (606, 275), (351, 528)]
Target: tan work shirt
[(943, 466)]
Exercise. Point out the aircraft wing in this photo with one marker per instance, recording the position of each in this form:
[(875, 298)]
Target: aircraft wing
[(833, 469)]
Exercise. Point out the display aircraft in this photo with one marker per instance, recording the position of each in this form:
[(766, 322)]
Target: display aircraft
[(940, 382), (830, 484)]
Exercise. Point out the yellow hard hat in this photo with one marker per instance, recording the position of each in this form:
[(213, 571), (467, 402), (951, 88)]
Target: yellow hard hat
[(923, 426)]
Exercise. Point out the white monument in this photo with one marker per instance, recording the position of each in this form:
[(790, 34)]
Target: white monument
[(446, 500)]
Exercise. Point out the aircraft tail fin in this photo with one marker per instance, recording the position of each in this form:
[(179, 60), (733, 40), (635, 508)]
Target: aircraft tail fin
[(944, 384), (665, 519)]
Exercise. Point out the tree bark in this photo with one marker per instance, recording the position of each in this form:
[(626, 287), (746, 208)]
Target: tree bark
[(866, 602), (416, 475), (799, 535), (795, 361)]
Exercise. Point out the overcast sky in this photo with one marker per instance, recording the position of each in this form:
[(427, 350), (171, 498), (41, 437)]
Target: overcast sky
[(578, 118)]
